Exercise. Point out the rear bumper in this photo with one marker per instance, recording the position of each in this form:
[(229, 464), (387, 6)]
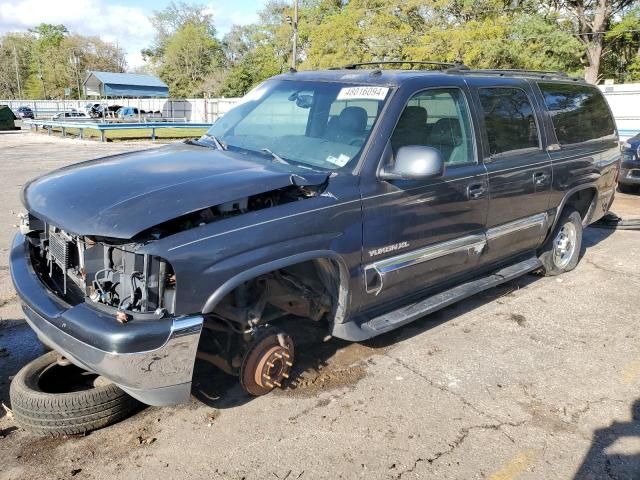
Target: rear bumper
[(630, 176), (158, 372), (630, 170)]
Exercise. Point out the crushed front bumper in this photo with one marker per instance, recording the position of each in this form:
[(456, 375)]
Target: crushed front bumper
[(151, 360)]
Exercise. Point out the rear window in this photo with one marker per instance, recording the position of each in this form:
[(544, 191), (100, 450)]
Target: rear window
[(509, 119), (579, 112)]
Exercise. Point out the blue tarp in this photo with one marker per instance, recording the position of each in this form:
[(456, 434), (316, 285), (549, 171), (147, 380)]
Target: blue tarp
[(129, 85)]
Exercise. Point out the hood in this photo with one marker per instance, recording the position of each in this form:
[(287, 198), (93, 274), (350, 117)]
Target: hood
[(123, 195)]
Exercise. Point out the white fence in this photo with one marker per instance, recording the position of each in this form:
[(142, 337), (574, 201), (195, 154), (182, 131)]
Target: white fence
[(198, 110), (624, 100)]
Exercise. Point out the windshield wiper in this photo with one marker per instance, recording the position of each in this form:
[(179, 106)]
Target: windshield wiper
[(275, 156), (220, 145)]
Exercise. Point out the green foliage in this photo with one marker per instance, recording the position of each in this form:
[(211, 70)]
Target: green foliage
[(622, 57), (49, 59), (190, 54)]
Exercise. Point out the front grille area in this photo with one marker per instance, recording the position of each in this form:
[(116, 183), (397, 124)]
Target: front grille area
[(59, 249)]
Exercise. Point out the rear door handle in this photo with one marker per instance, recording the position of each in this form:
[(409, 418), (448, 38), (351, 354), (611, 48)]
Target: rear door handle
[(476, 191), (540, 178)]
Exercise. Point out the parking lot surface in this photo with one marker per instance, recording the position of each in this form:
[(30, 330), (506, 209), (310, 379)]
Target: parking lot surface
[(536, 379)]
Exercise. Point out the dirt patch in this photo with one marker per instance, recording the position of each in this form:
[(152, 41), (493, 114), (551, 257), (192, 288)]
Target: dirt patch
[(519, 319), (317, 371), (310, 384), (6, 301)]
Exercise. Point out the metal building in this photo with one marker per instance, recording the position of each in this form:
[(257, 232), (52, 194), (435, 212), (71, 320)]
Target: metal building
[(123, 85)]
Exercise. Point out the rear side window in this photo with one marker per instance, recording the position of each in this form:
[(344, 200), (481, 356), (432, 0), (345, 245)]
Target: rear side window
[(579, 112), (509, 119)]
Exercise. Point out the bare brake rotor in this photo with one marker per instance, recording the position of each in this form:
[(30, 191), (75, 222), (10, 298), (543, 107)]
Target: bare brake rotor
[(267, 363)]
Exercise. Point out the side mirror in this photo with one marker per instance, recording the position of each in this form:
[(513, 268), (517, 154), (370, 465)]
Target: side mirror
[(415, 162)]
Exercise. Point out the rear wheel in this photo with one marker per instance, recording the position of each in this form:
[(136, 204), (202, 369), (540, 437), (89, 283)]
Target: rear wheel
[(623, 188), (561, 252), (56, 398)]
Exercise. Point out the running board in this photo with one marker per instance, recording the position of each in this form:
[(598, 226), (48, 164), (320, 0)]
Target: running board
[(409, 313)]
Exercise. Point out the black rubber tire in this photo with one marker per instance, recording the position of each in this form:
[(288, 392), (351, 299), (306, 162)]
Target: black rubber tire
[(623, 188), (71, 413), (550, 269)]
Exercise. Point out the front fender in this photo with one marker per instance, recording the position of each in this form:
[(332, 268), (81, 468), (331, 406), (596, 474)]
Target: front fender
[(232, 283)]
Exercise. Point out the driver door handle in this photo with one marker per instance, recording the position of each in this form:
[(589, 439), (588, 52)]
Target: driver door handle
[(476, 191), (540, 178)]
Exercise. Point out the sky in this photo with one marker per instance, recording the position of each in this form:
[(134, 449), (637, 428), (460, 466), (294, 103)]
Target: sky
[(121, 21)]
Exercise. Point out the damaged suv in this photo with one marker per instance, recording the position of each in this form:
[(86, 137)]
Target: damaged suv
[(360, 199)]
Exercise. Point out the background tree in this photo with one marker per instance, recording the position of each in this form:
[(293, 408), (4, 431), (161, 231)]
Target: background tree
[(621, 55), (592, 19)]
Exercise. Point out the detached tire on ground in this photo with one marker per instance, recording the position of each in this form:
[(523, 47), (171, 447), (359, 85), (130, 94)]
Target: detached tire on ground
[(54, 400), (561, 252)]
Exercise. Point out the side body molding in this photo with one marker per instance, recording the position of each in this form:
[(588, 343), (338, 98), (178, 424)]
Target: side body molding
[(375, 272)]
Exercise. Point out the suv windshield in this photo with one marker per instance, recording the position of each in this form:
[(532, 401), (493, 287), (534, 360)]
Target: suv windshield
[(318, 124)]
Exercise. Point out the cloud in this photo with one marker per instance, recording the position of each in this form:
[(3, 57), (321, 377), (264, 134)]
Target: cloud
[(128, 26), (243, 12), (124, 24)]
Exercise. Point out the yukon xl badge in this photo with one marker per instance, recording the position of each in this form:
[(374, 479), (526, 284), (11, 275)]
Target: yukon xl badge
[(388, 248)]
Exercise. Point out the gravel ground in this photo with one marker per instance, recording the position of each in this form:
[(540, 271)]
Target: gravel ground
[(536, 379)]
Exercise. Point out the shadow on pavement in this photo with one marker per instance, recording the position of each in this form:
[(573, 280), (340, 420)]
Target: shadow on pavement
[(18, 346), (605, 458)]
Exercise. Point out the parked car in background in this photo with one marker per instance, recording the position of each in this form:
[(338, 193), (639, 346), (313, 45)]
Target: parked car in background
[(98, 110), (74, 114), (129, 112), (60, 116), (629, 180), (25, 112)]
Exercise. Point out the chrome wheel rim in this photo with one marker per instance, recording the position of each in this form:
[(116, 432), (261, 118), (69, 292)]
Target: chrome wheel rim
[(564, 245)]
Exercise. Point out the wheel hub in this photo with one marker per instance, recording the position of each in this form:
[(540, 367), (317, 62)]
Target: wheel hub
[(274, 367), (267, 364), (564, 245)]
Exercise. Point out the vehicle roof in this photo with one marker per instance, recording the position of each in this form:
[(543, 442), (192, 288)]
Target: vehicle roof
[(394, 78)]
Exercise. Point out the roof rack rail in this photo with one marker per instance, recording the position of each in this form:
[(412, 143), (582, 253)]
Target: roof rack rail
[(520, 73), (449, 65)]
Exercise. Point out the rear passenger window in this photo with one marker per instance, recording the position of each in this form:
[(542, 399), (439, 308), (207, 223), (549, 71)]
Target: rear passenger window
[(579, 112), (437, 118), (509, 120)]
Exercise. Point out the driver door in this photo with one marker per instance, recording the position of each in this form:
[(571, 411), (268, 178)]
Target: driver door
[(419, 234)]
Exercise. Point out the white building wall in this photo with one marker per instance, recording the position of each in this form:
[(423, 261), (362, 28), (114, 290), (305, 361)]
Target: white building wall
[(624, 100)]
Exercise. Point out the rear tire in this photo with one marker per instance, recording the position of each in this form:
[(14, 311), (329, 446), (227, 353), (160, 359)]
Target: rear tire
[(623, 188), (53, 400), (561, 252)]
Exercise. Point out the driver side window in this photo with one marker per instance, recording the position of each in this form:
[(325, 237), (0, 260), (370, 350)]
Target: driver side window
[(437, 118)]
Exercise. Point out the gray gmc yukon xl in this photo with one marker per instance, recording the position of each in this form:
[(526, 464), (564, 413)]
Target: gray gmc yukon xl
[(361, 199)]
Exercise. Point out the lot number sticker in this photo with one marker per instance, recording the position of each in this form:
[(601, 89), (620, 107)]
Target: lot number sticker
[(363, 93)]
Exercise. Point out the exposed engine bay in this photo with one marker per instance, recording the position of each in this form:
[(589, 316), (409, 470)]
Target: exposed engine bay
[(298, 190), (105, 272), (109, 272)]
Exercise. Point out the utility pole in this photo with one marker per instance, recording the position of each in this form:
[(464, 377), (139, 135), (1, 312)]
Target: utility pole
[(15, 59), (75, 61), (295, 35)]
